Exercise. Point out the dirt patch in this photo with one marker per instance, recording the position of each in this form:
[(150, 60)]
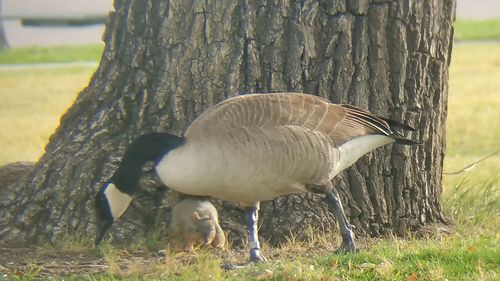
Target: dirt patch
[(35, 262), (45, 262), (39, 263)]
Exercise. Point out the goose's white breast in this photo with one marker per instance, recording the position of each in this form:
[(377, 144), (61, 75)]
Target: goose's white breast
[(210, 169), (256, 167)]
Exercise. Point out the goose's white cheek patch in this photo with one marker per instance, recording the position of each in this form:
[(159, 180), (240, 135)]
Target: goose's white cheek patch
[(118, 201)]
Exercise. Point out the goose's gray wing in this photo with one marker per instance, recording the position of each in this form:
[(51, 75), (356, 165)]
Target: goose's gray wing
[(340, 123)]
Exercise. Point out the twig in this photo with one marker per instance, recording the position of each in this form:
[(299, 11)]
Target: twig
[(470, 166)]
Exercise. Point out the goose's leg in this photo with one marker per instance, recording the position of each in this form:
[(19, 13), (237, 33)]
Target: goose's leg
[(252, 214), (345, 228)]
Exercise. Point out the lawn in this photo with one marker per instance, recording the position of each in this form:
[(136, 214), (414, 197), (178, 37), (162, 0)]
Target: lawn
[(51, 54), (32, 100), (487, 29)]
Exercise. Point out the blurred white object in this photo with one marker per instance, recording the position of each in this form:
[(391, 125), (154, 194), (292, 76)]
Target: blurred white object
[(478, 9), (19, 35)]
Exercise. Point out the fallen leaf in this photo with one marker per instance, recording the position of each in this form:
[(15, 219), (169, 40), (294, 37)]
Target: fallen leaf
[(471, 249), (335, 264), (412, 277)]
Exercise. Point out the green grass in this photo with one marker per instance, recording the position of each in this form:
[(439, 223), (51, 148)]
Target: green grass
[(51, 54), (32, 100), (388, 260), (488, 29), (450, 258), (454, 257)]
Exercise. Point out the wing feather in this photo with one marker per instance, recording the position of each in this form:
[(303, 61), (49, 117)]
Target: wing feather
[(340, 123)]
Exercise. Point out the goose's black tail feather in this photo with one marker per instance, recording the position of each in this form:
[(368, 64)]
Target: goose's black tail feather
[(399, 129)]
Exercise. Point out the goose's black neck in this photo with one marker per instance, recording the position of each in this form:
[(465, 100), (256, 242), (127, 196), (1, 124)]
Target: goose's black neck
[(148, 147)]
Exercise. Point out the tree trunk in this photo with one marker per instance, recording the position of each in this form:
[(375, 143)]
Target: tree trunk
[(167, 61), (3, 39)]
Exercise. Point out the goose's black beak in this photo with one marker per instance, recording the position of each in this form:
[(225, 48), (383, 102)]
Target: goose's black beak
[(104, 217), (102, 228)]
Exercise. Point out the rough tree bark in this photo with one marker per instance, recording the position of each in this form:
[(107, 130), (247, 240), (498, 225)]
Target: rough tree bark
[(3, 39), (166, 61)]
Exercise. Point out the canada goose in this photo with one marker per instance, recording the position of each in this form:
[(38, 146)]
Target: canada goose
[(253, 148)]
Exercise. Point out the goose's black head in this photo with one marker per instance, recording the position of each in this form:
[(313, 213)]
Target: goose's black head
[(115, 195)]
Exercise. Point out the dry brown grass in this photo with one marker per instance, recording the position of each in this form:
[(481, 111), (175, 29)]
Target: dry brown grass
[(31, 103)]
